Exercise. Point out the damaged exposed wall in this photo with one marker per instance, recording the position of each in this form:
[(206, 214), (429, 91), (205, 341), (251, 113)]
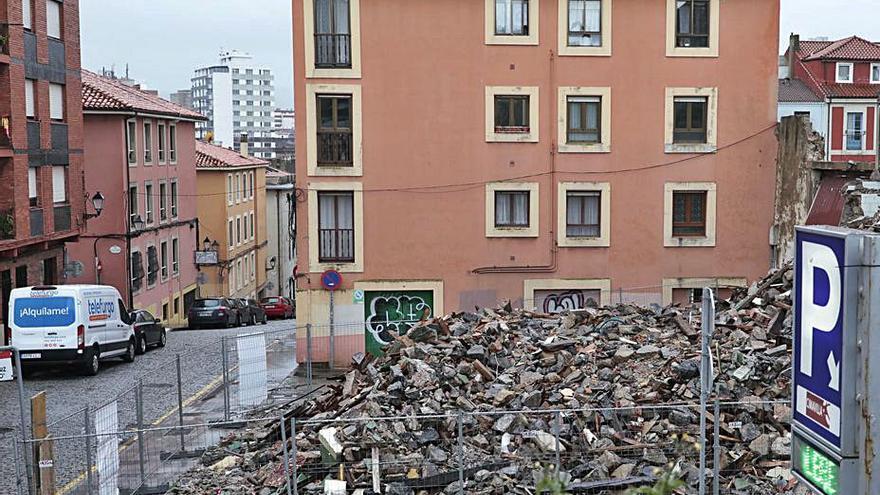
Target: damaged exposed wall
[(796, 181)]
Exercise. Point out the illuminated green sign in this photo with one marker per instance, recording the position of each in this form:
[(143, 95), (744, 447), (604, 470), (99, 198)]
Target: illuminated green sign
[(818, 469)]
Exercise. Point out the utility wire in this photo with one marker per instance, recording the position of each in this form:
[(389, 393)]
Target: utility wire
[(464, 186)]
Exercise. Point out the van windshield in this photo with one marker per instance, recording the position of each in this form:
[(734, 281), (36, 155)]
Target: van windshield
[(36, 312), (207, 303)]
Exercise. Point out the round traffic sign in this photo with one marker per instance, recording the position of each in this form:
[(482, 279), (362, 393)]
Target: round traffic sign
[(331, 280)]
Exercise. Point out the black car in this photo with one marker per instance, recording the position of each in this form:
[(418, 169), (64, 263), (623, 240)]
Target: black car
[(252, 312), (148, 331), (214, 312)]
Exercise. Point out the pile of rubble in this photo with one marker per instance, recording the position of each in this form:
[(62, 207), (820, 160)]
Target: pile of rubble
[(610, 392)]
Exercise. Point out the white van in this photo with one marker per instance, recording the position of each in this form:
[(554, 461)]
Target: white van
[(71, 324)]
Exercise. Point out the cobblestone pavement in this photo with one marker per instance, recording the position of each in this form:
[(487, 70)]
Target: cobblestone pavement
[(68, 392)]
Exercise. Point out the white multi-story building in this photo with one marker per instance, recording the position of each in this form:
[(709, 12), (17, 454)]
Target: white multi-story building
[(238, 98)]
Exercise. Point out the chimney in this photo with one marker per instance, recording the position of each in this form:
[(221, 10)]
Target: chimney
[(794, 46), (243, 146)]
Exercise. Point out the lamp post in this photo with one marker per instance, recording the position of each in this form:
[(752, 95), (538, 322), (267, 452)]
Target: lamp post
[(97, 204)]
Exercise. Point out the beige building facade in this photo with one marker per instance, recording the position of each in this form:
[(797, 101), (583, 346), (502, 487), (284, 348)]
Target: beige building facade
[(232, 218)]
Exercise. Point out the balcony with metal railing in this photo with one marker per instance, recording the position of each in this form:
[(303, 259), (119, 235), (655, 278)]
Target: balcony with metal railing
[(333, 51), (336, 245), (335, 148)]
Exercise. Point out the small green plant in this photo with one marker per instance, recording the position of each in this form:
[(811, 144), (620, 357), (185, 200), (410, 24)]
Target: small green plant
[(665, 485), (550, 482), (7, 226)]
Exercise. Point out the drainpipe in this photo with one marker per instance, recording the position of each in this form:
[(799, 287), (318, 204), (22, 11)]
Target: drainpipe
[(550, 268), (278, 272)]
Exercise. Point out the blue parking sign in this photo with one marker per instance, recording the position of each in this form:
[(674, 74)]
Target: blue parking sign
[(824, 337)]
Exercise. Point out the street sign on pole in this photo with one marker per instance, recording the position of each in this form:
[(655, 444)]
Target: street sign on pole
[(6, 366), (825, 415), (331, 280)]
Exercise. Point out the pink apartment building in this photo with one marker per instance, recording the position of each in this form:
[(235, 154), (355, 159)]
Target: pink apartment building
[(140, 154), (458, 153)]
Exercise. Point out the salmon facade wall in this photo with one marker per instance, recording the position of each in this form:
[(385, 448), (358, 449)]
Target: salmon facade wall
[(425, 67)]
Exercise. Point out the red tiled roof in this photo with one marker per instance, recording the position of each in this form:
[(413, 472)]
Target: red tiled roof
[(795, 91), (212, 156), (834, 90), (852, 48), (102, 93)]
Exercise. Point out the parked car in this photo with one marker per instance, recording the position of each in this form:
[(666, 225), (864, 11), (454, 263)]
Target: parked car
[(254, 313), (71, 324), (278, 307), (147, 330), (214, 312)]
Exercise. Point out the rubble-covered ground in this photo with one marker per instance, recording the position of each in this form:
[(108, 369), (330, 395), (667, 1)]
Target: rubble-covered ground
[(619, 384)]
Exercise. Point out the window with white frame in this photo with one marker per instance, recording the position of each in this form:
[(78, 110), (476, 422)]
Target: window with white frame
[(855, 131), (583, 213), (172, 143), (27, 10), (252, 226), (245, 219), (237, 188), (56, 101), (689, 212), (163, 201), (584, 119), (247, 267), (844, 72), (238, 231), (253, 266), (253, 185), (230, 190), (512, 17), (875, 73), (131, 140), (160, 130), (33, 187), (30, 98), (148, 142), (132, 205), (173, 199), (175, 256), (163, 259), (59, 184), (148, 201), (584, 22), (53, 19), (511, 209), (230, 234)]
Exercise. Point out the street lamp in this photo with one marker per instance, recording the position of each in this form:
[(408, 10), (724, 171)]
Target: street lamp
[(138, 223), (206, 244), (97, 204)]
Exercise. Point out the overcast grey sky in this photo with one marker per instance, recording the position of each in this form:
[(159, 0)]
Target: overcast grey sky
[(163, 41)]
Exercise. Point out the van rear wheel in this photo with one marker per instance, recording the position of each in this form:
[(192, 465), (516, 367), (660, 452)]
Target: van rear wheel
[(92, 364), (129, 355)]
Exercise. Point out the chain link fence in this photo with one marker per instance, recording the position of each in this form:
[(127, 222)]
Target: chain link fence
[(144, 435)]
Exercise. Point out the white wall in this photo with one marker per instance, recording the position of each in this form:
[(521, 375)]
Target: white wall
[(277, 216), (223, 132), (818, 114)]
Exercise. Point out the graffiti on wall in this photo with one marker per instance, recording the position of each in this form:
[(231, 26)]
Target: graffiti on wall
[(388, 314), (557, 301)]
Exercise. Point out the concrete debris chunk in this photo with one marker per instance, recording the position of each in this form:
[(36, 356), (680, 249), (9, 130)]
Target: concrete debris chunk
[(508, 371)]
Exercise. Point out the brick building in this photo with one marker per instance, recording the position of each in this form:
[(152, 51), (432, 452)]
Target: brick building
[(551, 152), (42, 199)]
